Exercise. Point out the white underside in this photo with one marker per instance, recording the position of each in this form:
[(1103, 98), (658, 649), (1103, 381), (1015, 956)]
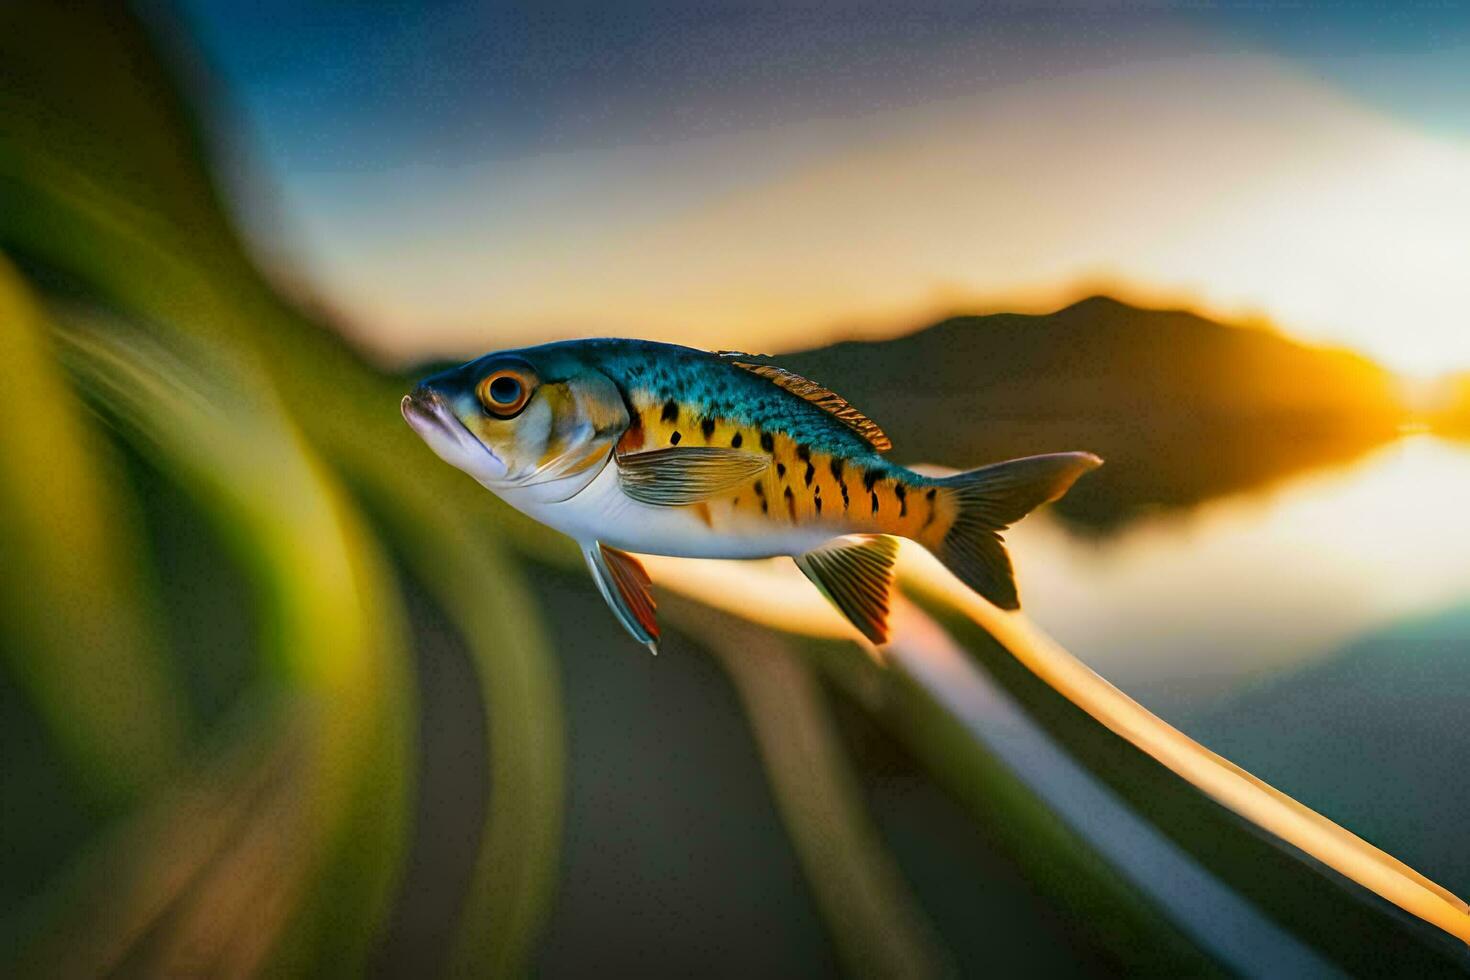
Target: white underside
[(591, 505), (602, 512)]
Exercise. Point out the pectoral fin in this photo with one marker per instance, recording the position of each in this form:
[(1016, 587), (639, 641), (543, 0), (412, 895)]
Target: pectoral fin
[(856, 574), (625, 586), (687, 474)]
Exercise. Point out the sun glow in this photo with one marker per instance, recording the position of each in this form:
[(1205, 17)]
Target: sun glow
[(1234, 183)]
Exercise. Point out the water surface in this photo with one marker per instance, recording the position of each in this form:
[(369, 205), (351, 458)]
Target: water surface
[(1184, 609), (1317, 633)]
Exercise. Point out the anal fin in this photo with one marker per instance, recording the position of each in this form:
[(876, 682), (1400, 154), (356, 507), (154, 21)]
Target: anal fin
[(856, 575), (625, 586)]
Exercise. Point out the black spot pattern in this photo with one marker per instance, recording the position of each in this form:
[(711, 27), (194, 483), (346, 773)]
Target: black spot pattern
[(671, 410), (903, 502), (736, 440), (835, 466), (675, 437), (708, 428), (874, 495), (870, 478), (780, 470), (767, 442)]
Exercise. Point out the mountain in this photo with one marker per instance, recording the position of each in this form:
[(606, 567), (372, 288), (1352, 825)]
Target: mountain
[(1183, 408)]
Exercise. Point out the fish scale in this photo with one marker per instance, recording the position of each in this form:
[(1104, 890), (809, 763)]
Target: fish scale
[(798, 477)]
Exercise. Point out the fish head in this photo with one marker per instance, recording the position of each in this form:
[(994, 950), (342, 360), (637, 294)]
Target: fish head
[(533, 418)]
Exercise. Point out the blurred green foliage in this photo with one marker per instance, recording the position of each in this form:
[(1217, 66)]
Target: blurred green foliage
[(265, 419), (68, 537)]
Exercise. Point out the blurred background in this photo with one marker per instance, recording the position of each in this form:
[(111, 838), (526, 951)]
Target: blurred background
[(281, 693)]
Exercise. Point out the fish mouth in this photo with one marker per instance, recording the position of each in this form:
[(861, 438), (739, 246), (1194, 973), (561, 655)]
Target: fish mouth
[(427, 413)]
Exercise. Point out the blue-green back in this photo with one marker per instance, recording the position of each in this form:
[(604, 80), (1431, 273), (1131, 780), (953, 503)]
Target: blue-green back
[(706, 382)]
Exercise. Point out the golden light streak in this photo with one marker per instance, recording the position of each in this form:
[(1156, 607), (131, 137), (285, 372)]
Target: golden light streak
[(764, 592), (1216, 777), (772, 592)]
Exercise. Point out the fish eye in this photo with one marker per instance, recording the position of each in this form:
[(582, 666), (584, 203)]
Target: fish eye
[(505, 393), (505, 390)]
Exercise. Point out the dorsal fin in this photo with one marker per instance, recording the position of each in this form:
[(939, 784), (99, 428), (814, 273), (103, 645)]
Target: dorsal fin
[(824, 398)]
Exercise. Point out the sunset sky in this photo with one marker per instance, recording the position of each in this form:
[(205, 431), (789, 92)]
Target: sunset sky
[(458, 178)]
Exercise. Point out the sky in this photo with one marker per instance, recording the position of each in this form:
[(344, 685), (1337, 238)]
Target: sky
[(461, 177)]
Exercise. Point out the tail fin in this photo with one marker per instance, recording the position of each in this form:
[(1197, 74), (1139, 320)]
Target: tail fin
[(991, 499)]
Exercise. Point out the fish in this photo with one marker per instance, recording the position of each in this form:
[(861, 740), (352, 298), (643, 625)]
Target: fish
[(635, 447)]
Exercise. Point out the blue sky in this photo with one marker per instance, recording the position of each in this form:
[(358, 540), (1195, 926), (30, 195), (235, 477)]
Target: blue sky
[(1410, 59), (455, 174)]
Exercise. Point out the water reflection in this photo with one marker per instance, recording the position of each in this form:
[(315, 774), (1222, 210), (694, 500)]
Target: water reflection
[(1183, 609)]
